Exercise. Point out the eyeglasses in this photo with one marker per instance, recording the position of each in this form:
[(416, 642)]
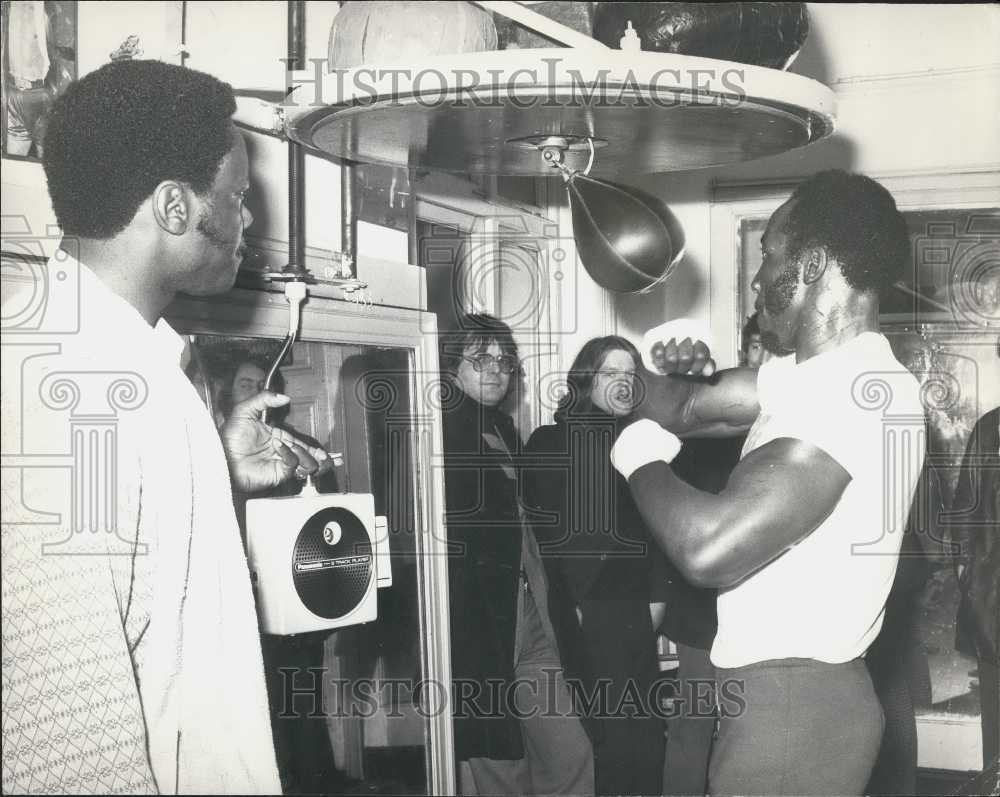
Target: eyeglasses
[(483, 362)]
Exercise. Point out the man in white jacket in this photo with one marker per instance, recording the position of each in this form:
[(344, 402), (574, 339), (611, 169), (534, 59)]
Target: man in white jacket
[(131, 652)]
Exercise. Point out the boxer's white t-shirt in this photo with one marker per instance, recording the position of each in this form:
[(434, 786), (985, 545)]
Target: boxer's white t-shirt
[(824, 598)]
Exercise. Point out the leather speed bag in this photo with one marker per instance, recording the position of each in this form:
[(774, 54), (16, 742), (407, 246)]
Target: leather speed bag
[(627, 240)]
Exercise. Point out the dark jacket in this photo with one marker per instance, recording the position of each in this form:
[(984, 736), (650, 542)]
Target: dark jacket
[(484, 540), (586, 521), (975, 526), (705, 463), (598, 556)]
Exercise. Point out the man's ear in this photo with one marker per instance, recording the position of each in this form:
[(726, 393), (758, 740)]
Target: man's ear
[(814, 264), (172, 207)]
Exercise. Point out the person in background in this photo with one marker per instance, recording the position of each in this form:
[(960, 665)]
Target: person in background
[(247, 381), (975, 526), (40, 63), (523, 737), (132, 659), (753, 354), (898, 663), (600, 562)]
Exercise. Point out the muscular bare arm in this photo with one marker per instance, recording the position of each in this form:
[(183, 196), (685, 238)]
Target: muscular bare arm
[(776, 496), (721, 406)]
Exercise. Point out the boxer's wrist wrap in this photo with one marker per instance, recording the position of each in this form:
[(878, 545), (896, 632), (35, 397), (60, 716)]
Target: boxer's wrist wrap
[(643, 442)]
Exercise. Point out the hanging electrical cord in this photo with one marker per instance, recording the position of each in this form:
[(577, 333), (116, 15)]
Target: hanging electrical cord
[(295, 293)]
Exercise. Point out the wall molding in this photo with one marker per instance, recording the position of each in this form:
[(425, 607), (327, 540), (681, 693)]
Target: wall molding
[(970, 182), (895, 81)]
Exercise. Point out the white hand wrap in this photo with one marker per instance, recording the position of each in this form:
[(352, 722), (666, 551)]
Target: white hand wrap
[(643, 442), (679, 328)]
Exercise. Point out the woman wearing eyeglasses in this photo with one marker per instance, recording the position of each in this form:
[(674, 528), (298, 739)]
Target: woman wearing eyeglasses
[(600, 560), (515, 730)]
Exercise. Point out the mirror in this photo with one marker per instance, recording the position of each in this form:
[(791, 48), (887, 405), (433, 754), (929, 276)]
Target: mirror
[(345, 704)]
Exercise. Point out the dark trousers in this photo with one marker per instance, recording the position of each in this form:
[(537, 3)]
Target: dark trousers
[(630, 738), (898, 666), (804, 727), (557, 753), (690, 731), (301, 741)]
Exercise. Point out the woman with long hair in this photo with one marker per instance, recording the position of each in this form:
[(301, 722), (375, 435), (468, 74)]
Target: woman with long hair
[(601, 562)]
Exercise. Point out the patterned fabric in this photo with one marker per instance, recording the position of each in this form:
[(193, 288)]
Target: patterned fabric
[(71, 716), (131, 654)]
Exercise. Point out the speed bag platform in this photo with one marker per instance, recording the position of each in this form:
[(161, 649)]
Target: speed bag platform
[(316, 561)]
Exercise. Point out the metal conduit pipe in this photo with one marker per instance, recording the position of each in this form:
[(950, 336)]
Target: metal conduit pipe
[(296, 155), (348, 220)]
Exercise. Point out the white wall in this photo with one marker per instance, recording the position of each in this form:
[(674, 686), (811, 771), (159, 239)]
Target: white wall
[(918, 90)]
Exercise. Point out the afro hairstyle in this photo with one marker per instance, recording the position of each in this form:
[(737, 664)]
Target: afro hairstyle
[(855, 219), (120, 131)]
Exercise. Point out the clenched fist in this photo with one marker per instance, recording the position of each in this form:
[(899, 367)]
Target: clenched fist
[(688, 357), (682, 346)]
